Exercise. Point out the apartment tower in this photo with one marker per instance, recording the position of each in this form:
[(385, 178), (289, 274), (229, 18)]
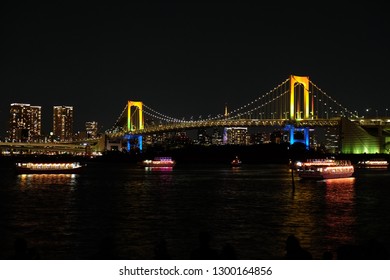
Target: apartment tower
[(24, 123), (63, 123)]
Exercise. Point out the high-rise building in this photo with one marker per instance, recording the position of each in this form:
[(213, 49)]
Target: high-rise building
[(63, 123), (235, 135), (203, 137), (216, 137), (24, 123), (332, 138), (91, 129), (36, 123)]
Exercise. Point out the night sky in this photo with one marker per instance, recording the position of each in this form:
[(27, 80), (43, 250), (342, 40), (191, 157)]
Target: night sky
[(186, 59)]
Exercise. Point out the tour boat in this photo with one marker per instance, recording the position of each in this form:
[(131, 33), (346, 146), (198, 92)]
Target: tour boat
[(320, 169), (48, 167), (373, 163), (236, 162), (159, 162)]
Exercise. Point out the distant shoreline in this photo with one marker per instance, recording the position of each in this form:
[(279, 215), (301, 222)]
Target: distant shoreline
[(252, 154)]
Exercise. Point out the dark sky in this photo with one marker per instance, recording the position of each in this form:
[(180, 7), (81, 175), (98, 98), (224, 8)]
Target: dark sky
[(187, 59)]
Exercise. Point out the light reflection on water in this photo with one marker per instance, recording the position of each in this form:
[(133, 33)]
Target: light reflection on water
[(340, 216), (159, 169), (31, 180), (253, 207)]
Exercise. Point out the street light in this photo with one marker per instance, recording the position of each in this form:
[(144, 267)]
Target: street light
[(368, 110)]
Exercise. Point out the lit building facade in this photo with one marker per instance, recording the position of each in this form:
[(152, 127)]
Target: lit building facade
[(63, 123), (203, 138), (92, 129), (25, 123), (259, 138), (332, 140), (358, 140), (235, 135), (216, 137)]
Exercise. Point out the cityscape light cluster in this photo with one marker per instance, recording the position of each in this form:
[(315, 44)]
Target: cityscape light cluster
[(25, 124)]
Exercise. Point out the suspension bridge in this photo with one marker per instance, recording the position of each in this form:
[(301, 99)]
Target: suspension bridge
[(296, 104)]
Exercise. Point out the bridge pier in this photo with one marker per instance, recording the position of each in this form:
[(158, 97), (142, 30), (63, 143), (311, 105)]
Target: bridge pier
[(130, 138), (306, 136)]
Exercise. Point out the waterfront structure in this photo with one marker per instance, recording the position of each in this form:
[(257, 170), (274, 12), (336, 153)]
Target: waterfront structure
[(365, 136), (375, 163), (25, 123), (63, 123)]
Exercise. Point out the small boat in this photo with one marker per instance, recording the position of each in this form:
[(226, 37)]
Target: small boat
[(236, 162), (48, 167), (373, 164), (320, 169), (159, 162)]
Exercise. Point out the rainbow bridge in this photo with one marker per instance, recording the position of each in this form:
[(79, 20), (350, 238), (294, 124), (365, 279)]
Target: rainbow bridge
[(296, 105)]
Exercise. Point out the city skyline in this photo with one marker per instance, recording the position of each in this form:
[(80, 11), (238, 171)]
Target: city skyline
[(24, 124), (187, 59)]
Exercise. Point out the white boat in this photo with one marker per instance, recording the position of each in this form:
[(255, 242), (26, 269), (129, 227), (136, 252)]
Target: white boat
[(159, 162), (320, 169), (48, 167), (373, 164)]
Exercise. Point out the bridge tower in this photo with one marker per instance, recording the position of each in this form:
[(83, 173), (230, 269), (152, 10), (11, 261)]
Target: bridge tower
[(135, 121), (296, 110), (295, 107)]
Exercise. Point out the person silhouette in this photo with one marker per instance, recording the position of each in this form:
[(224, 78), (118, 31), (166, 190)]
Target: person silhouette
[(294, 251)]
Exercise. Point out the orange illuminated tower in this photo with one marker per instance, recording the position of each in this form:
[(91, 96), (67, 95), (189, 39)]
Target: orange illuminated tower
[(139, 120), (295, 106), (135, 121)]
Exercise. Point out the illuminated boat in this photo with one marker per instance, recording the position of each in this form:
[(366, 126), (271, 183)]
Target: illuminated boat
[(236, 162), (159, 162), (48, 167), (320, 169), (373, 164)]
